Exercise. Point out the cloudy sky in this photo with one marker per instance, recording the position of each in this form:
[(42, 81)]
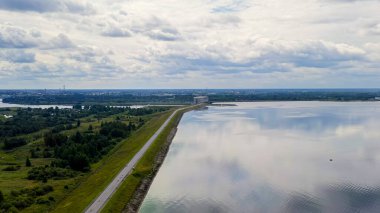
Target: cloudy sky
[(189, 44)]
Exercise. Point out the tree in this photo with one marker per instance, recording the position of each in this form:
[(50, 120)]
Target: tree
[(79, 162), (52, 140), (33, 153), (1, 196), (90, 128), (13, 143), (28, 163), (77, 137), (78, 123), (77, 106)]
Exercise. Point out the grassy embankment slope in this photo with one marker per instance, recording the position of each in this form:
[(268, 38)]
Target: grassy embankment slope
[(143, 169), (105, 170)]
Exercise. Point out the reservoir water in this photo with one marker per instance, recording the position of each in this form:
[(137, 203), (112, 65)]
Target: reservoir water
[(7, 105), (272, 157)]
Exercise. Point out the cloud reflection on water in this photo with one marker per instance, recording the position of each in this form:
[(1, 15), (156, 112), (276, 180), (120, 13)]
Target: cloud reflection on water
[(272, 157)]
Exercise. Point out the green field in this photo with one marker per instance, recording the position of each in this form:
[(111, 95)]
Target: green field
[(104, 171), (82, 186)]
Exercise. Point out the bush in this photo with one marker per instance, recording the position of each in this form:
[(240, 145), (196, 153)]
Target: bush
[(58, 128), (13, 143), (42, 201), (47, 154), (33, 153), (15, 193), (42, 172), (115, 129), (60, 163), (79, 162), (53, 140), (22, 202), (46, 189), (24, 198), (13, 209), (12, 168), (69, 126), (28, 163)]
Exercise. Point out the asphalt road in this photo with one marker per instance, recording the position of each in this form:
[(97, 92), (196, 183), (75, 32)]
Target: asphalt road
[(102, 199)]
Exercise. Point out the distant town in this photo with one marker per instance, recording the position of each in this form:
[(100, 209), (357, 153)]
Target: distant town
[(182, 96)]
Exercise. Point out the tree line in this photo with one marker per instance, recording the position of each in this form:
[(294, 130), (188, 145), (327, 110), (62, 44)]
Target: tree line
[(32, 120)]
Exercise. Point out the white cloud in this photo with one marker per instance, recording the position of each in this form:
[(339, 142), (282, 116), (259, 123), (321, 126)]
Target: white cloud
[(156, 28), (60, 42), (17, 56), (257, 55), (223, 43), (42, 6), (16, 37), (113, 31)]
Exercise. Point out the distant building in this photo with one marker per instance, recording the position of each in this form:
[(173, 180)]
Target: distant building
[(200, 99), (8, 116)]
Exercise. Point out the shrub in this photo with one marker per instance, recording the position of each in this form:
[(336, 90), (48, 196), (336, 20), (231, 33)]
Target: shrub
[(1, 196), (23, 198), (41, 173), (28, 163), (46, 153), (79, 162), (13, 209), (13, 143), (33, 153), (22, 202), (53, 140), (42, 201), (11, 168), (69, 126)]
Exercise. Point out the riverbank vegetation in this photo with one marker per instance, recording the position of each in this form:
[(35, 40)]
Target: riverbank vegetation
[(59, 150), (132, 191)]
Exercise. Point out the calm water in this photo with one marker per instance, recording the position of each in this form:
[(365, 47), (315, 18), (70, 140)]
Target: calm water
[(6, 105), (273, 157)]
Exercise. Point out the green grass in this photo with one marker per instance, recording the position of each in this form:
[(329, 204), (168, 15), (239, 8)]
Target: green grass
[(144, 168), (105, 170), (14, 180)]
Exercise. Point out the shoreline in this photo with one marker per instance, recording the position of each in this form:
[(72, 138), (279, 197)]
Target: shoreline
[(134, 204)]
